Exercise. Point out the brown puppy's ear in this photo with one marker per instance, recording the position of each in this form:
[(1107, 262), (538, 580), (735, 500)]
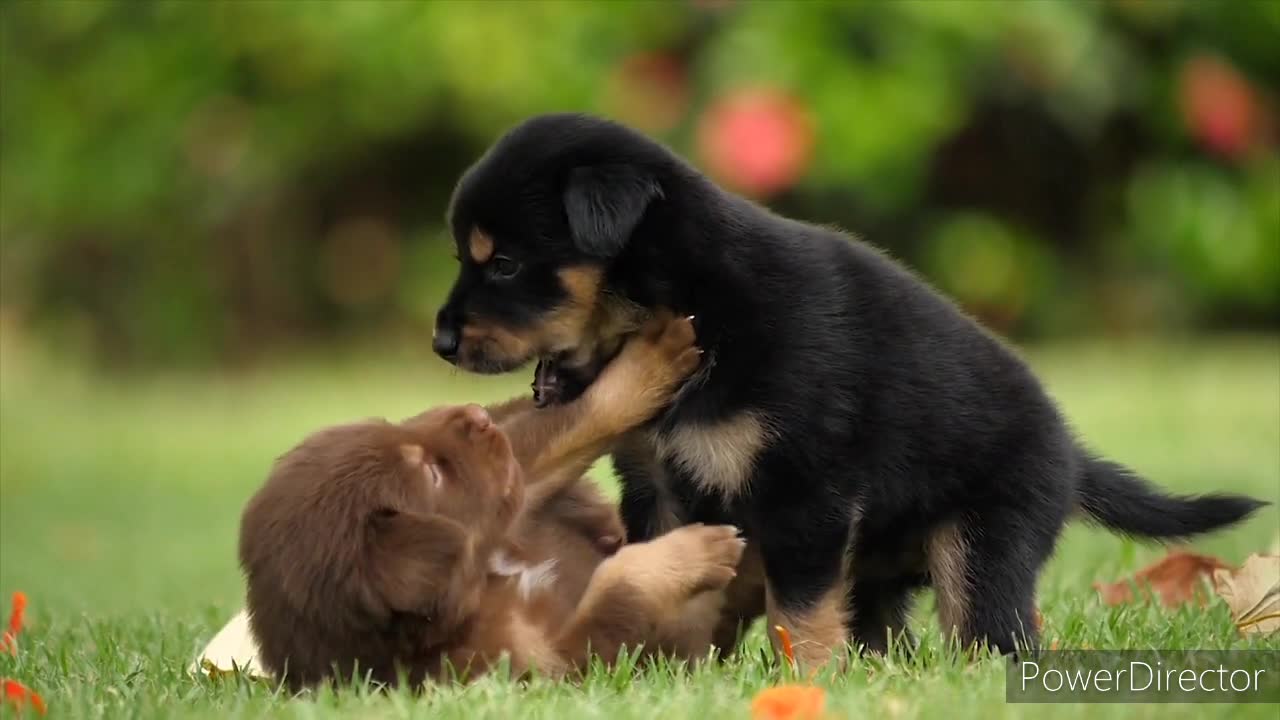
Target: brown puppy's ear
[(604, 204), (420, 561)]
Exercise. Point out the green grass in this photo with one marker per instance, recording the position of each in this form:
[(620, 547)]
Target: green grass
[(119, 502)]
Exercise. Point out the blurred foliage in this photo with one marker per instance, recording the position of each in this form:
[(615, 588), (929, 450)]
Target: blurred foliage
[(199, 181)]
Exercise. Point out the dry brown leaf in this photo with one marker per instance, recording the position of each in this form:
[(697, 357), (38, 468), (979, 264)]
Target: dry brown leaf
[(1175, 579), (1252, 593)]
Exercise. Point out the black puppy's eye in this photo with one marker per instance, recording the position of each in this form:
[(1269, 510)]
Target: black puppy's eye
[(503, 268)]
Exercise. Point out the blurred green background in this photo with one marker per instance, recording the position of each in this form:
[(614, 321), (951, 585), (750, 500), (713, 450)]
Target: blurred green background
[(206, 183)]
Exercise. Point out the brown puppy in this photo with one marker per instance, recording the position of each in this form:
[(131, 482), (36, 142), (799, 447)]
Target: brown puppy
[(379, 549)]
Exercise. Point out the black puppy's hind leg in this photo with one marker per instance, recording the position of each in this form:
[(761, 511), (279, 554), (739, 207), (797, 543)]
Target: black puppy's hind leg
[(806, 584), (878, 610), (983, 567)]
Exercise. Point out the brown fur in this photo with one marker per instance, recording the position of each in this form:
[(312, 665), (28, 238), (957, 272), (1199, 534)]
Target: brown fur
[(378, 548)]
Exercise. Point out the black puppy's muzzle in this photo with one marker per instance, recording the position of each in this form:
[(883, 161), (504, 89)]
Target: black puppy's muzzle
[(447, 337)]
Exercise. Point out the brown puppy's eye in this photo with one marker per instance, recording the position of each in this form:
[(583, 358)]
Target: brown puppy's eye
[(503, 268)]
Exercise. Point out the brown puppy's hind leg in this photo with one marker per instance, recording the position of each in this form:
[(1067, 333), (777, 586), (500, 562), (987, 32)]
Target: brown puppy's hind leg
[(644, 588)]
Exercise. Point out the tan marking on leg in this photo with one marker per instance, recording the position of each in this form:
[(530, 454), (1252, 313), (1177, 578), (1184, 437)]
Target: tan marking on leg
[(721, 456), (480, 245), (817, 633), (948, 572)]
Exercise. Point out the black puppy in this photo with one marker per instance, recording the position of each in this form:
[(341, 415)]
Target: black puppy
[(869, 436)]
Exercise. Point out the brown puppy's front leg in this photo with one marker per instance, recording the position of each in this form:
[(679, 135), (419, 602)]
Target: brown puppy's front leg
[(563, 441), (504, 412), (646, 586)]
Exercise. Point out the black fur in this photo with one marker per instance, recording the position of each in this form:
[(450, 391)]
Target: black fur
[(604, 203), (894, 412)]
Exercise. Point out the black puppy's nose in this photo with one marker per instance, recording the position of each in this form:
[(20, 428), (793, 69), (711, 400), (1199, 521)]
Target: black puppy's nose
[(445, 342)]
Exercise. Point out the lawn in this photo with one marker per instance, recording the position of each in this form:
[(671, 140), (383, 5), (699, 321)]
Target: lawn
[(120, 498)]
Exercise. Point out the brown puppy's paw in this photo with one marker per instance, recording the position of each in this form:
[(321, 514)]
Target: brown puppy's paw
[(645, 375), (681, 564), (677, 344), (710, 553)]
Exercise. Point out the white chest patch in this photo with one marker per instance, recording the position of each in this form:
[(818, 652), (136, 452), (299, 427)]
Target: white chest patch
[(529, 579), (719, 457)]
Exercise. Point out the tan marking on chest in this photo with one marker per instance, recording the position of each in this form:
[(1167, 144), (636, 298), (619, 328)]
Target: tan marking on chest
[(720, 457)]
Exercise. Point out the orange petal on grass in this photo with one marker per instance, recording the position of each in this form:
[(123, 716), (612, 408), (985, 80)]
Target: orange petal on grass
[(20, 696), (784, 639), (789, 702)]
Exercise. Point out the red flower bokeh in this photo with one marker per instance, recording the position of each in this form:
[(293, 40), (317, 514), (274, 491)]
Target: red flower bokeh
[(13, 693), (1219, 105), (757, 140)]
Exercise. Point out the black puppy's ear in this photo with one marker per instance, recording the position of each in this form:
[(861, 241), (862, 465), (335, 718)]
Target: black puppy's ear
[(605, 204), (419, 562)]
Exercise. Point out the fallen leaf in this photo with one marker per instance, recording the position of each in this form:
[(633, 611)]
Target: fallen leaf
[(789, 702), (1176, 579), (1252, 593)]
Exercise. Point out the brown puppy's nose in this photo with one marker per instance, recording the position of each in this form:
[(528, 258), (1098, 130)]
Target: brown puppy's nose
[(477, 417)]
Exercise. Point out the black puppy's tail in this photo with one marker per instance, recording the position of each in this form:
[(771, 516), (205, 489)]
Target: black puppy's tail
[(1118, 499)]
